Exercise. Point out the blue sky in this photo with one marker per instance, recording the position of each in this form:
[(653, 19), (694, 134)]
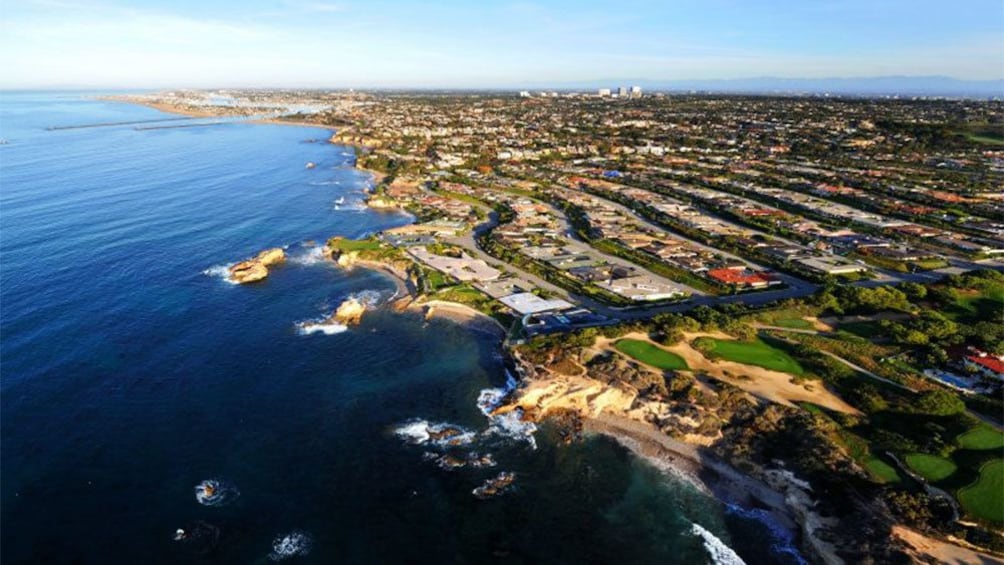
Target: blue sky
[(396, 43)]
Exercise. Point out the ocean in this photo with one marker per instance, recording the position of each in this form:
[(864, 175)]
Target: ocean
[(131, 372)]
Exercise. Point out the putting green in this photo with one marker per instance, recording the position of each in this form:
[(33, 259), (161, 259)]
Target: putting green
[(754, 352), (650, 354), (931, 467), (983, 498)]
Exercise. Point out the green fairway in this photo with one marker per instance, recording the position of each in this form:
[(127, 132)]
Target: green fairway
[(931, 467), (983, 498), (650, 354), (976, 305), (880, 470), (754, 352), (982, 437)]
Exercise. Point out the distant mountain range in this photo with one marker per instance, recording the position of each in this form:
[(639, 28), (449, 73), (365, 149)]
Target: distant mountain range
[(868, 86)]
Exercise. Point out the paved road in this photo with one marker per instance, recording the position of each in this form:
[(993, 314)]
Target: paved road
[(797, 288)]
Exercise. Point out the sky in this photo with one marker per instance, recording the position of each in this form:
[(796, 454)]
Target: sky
[(487, 44)]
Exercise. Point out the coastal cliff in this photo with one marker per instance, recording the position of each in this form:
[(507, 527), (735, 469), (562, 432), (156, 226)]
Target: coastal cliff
[(710, 430)]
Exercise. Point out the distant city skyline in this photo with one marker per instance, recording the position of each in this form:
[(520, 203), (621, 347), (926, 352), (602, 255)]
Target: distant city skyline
[(453, 44)]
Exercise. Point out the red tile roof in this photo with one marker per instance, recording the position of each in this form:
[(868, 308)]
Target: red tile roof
[(992, 363), (734, 276)]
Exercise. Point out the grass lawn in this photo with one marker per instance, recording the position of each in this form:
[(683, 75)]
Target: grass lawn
[(983, 498), (931, 467), (880, 470), (981, 438), (344, 244), (754, 352), (974, 304), (796, 323), (929, 264), (650, 354)]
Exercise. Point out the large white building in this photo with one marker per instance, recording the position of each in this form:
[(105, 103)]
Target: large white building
[(603, 92)]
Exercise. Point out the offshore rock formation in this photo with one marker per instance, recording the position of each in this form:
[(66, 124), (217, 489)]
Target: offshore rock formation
[(350, 312), (256, 269)]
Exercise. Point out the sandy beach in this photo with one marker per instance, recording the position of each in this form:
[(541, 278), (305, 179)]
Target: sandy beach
[(693, 463), (460, 314)]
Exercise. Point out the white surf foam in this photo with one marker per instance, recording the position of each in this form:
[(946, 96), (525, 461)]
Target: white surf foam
[(324, 327), (720, 553), (220, 272), (442, 435), (510, 424), (353, 206), (291, 545), (311, 256)]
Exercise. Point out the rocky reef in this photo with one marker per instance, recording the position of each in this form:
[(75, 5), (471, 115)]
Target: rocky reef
[(256, 268)]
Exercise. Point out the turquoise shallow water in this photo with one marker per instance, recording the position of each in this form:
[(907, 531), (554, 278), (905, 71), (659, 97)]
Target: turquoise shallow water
[(129, 373)]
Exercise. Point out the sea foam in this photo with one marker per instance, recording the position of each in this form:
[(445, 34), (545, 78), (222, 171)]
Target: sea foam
[(422, 432), (220, 272), (323, 327), (720, 553), (509, 424), (313, 255), (291, 545)]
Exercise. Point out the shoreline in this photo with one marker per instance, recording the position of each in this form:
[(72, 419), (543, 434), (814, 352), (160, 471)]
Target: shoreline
[(377, 176), (687, 461), (407, 299), (670, 456)]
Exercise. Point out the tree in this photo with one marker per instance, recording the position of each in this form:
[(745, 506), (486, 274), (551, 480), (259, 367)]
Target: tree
[(939, 403), (914, 291)]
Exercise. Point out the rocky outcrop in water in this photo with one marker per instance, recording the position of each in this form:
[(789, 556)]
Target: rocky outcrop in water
[(256, 269), (350, 312), (495, 486)]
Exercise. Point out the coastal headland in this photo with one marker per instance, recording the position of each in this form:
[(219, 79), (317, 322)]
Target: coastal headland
[(737, 400)]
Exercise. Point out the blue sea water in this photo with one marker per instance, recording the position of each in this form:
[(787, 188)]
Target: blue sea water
[(130, 372)]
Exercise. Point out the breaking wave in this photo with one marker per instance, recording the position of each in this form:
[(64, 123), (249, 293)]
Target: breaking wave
[(328, 324), (422, 432), (354, 206), (323, 326), (509, 424), (313, 255), (221, 272), (291, 545), (215, 492), (720, 553)]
